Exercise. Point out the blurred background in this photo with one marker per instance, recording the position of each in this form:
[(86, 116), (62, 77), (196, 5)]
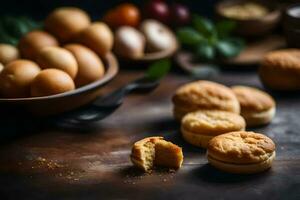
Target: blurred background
[(96, 8)]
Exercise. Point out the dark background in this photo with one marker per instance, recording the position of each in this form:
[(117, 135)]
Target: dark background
[(38, 9)]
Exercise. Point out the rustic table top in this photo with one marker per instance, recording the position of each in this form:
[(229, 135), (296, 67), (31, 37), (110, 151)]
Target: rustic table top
[(42, 162)]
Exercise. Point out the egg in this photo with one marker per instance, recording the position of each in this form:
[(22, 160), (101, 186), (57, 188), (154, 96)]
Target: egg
[(16, 77), (59, 58), (1, 67), (90, 66), (66, 22), (97, 37), (8, 53), (33, 42), (50, 82)]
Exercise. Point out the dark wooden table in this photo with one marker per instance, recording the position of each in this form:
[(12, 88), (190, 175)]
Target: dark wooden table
[(42, 162)]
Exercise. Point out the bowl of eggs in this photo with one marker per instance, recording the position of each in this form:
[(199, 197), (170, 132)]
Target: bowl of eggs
[(59, 68)]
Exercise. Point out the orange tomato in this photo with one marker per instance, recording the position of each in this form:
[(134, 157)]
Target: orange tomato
[(123, 15)]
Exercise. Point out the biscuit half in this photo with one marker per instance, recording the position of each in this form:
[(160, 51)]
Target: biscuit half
[(155, 151)]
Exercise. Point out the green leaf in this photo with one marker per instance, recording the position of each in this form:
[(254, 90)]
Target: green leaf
[(189, 36), (6, 38), (225, 28), (203, 25), (205, 51), (158, 69), (230, 47)]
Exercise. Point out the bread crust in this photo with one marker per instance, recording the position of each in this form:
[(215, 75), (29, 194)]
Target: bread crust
[(212, 122), (241, 147), (280, 70), (204, 95), (257, 107)]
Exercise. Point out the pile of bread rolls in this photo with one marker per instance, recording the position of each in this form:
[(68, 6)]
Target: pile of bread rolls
[(66, 55)]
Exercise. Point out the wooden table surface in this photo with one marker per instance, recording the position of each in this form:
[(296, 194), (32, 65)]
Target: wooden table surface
[(43, 162)]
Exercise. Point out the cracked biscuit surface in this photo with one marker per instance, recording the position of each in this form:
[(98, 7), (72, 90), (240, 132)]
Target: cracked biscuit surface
[(241, 147), (200, 126), (204, 95)]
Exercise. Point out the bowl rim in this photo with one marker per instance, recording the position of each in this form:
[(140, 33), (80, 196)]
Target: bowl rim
[(274, 12), (112, 68)]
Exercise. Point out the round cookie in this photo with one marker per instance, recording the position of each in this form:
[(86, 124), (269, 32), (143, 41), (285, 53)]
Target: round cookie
[(199, 127), (204, 95), (257, 107), (280, 70), (241, 152)]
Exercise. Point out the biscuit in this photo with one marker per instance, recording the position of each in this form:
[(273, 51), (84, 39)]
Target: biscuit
[(241, 152), (155, 151), (203, 95), (257, 107), (280, 70), (199, 127)]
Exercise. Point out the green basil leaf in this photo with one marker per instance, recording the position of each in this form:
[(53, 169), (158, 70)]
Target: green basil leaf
[(203, 25), (189, 36), (158, 69), (230, 47), (13, 26), (205, 51), (30, 23), (6, 38), (225, 28)]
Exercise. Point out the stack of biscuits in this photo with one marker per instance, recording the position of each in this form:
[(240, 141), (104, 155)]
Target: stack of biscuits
[(215, 117)]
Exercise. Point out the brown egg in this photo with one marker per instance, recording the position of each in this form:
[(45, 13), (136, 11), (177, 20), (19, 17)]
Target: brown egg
[(90, 66), (1, 67), (97, 37), (16, 77), (66, 22), (8, 53), (33, 42), (59, 58), (50, 82)]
